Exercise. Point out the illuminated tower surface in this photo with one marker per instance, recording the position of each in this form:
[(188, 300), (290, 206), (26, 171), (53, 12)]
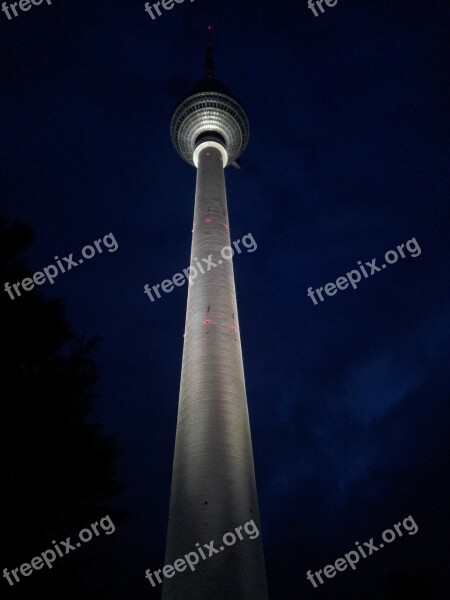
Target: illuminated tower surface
[(213, 481)]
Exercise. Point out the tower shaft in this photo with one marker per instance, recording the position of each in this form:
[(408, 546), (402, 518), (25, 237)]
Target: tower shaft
[(213, 482)]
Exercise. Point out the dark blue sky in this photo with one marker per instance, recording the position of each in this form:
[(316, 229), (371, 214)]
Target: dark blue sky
[(348, 158)]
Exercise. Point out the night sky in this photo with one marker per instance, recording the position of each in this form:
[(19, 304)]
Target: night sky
[(347, 159)]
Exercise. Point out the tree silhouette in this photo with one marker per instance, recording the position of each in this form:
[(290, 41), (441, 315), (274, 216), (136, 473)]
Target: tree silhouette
[(57, 468)]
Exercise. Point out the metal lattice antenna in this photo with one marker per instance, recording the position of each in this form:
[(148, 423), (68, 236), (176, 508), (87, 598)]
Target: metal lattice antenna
[(209, 55)]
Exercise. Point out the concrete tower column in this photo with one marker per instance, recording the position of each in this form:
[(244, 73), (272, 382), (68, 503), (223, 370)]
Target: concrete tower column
[(213, 481)]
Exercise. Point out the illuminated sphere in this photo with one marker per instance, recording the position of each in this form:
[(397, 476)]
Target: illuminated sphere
[(209, 116)]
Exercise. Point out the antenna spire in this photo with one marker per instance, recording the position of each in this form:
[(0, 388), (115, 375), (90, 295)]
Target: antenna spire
[(209, 55)]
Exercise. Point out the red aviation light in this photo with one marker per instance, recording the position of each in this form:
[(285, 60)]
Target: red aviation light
[(207, 321)]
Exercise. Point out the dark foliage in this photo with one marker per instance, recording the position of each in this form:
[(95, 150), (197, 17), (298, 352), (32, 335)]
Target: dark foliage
[(57, 468)]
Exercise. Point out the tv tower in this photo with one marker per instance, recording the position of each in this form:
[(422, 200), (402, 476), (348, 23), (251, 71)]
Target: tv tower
[(213, 480)]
